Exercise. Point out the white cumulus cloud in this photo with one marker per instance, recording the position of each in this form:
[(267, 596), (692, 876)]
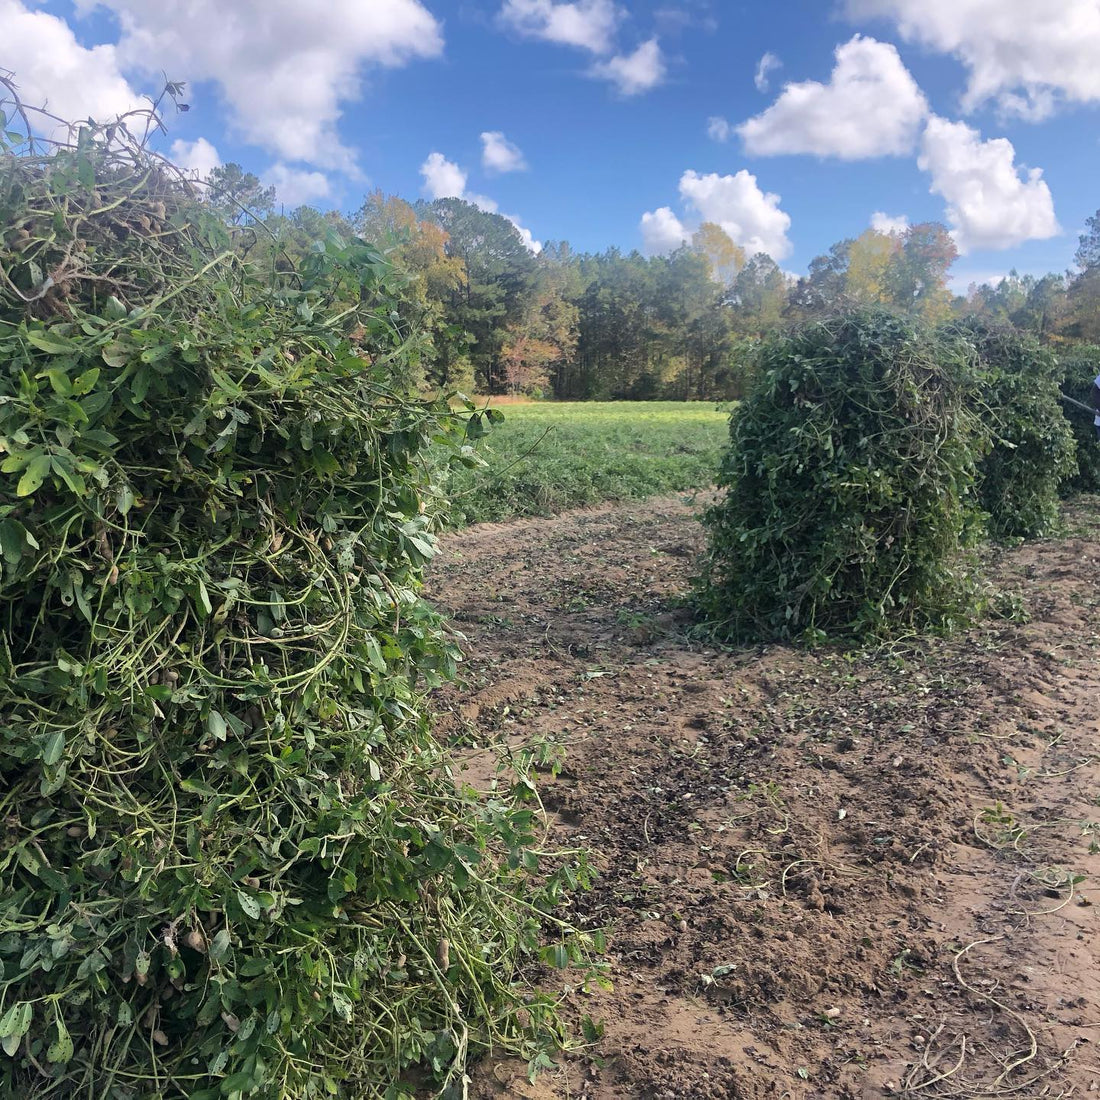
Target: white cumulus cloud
[(662, 232), (890, 224), (989, 204), (53, 70), (587, 24), (284, 68), (764, 66), (590, 25), (296, 186), (1025, 54), (751, 217), (499, 155), (198, 158), (443, 179), (635, 72), (871, 107), (718, 128)]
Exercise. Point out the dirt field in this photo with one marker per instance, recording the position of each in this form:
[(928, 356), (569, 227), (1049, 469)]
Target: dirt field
[(828, 875)]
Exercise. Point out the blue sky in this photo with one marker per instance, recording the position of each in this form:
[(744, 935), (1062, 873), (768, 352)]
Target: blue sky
[(602, 110)]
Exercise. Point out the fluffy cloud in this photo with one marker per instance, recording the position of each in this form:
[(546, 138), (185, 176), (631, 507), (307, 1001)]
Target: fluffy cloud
[(718, 128), (871, 107), (54, 70), (751, 217), (1025, 54), (499, 155), (662, 232), (636, 72), (283, 69), (989, 205), (889, 223), (587, 24), (295, 186), (764, 66), (198, 158), (443, 179)]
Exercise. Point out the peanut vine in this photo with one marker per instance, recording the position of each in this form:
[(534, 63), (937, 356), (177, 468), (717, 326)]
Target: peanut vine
[(235, 862)]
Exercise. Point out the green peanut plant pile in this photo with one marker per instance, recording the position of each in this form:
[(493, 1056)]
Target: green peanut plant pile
[(234, 861), (850, 479), (1080, 366), (1033, 448)]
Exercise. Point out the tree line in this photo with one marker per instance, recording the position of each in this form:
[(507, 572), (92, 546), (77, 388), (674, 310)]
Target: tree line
[(495, 317)]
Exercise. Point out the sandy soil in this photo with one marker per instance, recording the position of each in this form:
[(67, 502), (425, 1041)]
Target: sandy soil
[(827, 874)]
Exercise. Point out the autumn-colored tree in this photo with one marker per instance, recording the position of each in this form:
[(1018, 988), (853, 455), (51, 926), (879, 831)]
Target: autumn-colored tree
[(916, 281), (724, 258), (418, 248), (527, 361), (544, 339), (385, 217), (871, 257), (497, 280)]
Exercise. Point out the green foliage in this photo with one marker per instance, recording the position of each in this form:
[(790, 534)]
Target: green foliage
[(550, 457), (658, 328), (238, 195), (1032, 448), (235, 862), (848, 476), (495, 287), (1080, 366), (759, 294), (904, 271), (418, 250), (1088, 244), (1032, 304)]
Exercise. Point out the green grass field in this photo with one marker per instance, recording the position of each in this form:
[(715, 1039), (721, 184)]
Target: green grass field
[(587, 452)]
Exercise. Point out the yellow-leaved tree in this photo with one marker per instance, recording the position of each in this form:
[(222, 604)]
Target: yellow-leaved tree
[(724, 257)]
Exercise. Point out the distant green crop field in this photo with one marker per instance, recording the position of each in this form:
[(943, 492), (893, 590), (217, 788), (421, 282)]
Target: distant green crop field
[(587, 452)]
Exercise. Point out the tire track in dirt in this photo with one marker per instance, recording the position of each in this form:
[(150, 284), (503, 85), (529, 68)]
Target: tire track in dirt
[(828, 874)]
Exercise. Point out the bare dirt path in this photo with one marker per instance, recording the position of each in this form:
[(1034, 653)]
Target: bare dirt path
[(828, 875)]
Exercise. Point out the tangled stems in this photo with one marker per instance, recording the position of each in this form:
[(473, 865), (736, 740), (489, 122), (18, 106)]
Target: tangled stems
[(849, 482), (1079, 367), (1032, 446), (235, 862)]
